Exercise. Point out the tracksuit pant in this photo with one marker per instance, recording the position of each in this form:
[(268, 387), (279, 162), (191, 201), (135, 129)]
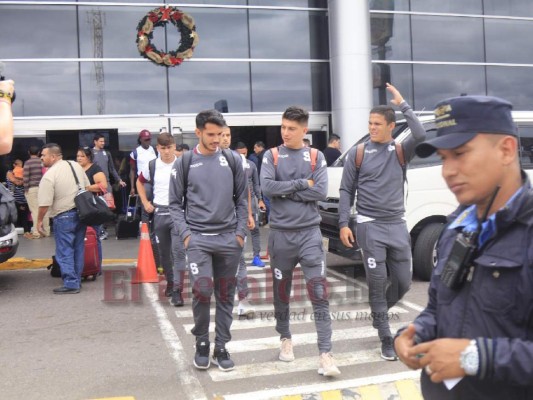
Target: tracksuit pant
[(288, 248), (213, 261), (386, 249)]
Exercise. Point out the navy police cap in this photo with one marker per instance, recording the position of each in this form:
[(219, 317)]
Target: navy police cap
[(460, 119)]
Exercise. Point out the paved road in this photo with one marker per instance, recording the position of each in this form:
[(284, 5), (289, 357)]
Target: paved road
[(117, 339)]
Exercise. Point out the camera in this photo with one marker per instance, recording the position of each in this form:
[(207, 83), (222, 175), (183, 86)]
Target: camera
[(459, 261)]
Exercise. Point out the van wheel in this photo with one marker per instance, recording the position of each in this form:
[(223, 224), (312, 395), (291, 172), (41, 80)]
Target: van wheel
[(425, 252)]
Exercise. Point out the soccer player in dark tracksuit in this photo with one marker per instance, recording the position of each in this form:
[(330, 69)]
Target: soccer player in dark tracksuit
[(294, 189), (381, 229), (211, 217)]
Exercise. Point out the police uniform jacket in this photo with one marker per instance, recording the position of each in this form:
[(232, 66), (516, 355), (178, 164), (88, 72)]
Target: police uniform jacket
[(495, 307)]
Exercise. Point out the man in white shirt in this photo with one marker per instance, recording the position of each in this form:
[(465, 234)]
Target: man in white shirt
[(158, 172)]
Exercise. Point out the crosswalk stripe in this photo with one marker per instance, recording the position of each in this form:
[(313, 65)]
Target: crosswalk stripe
[(371, 392), (272, 342), (333, 301), (267, 320), (265, 394), (300, 364), (407, 389), (295, 397)]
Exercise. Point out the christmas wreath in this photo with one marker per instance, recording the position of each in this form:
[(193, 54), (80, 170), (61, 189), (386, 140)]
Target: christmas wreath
[(160, 17)]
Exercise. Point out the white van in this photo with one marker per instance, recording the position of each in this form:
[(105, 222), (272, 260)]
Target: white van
[(428, 200)]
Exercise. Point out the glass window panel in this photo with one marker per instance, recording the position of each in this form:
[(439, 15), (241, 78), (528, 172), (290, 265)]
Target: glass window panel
[(456, 7), (197, 86), (119, 33), (512, 8), (275, 86), (52, 30), (511, 83), (45, 88), (509, 41), (225, 2), (526, 145), (390, 37), (456, 39), (433, 83), (389, 5), (289, 34), (123, 88), (290, 3), (400, 75)]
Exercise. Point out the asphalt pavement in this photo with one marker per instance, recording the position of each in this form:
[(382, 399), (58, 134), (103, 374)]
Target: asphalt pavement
[(117, 340)]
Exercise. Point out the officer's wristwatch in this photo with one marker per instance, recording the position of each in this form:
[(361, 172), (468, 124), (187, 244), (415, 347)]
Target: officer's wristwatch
[(470, 359), (6, 95)]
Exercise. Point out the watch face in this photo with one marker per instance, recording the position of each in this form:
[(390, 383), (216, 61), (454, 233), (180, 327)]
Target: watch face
[(470, 362)]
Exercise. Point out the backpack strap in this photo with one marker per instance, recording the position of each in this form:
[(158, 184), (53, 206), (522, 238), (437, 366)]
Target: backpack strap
[(151, 168), (275, 154), (186, 160), (401, 159), (359, 155), (314, 155), (231, 161)]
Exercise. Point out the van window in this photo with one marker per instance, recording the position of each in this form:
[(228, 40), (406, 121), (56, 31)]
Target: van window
[(432, 160), (526, 146)]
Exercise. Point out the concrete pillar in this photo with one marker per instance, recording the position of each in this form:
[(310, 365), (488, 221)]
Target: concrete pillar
[(350, 68)]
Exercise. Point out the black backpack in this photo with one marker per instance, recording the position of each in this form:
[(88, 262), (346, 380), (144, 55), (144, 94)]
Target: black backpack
[(8, 210)]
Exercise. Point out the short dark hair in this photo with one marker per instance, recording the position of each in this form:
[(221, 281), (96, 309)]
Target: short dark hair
[(387, 112), (210, 117), (182, 147), (98, 136), (240, 145), (165, 139), (33, 150), (260, 144), (54, 148), (87, 151), (333, 137), (298, 114)]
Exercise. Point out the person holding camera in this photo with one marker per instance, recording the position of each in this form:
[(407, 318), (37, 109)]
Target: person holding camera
[(474, 340), (7, 89), (376, 171)]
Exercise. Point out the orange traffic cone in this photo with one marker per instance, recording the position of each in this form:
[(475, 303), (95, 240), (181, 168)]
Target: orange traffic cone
[(146, 270)]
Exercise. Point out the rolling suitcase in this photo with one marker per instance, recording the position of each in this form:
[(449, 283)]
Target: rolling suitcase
[(91, 265), (128, 225)]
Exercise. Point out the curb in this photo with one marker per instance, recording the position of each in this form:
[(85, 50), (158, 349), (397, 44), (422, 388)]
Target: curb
[(17, 263)]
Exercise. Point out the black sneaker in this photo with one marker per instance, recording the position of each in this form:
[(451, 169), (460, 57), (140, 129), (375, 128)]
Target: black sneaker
[(387, 349), (221, 358), (177, 299), (201, 357)]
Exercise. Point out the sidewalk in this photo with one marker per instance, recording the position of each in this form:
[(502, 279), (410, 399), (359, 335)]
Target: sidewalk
[(37, 253)]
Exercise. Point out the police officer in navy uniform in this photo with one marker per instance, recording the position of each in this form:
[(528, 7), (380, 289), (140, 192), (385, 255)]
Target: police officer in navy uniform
[(474, 340)]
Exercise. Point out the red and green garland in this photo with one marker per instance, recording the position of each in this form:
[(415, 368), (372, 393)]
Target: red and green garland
[(160, 17)]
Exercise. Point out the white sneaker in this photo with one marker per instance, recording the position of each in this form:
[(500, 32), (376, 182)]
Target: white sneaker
[(244, 309), (286, 353), (327, 365)]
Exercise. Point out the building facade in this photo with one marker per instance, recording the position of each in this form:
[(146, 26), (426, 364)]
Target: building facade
[(77, 68)]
